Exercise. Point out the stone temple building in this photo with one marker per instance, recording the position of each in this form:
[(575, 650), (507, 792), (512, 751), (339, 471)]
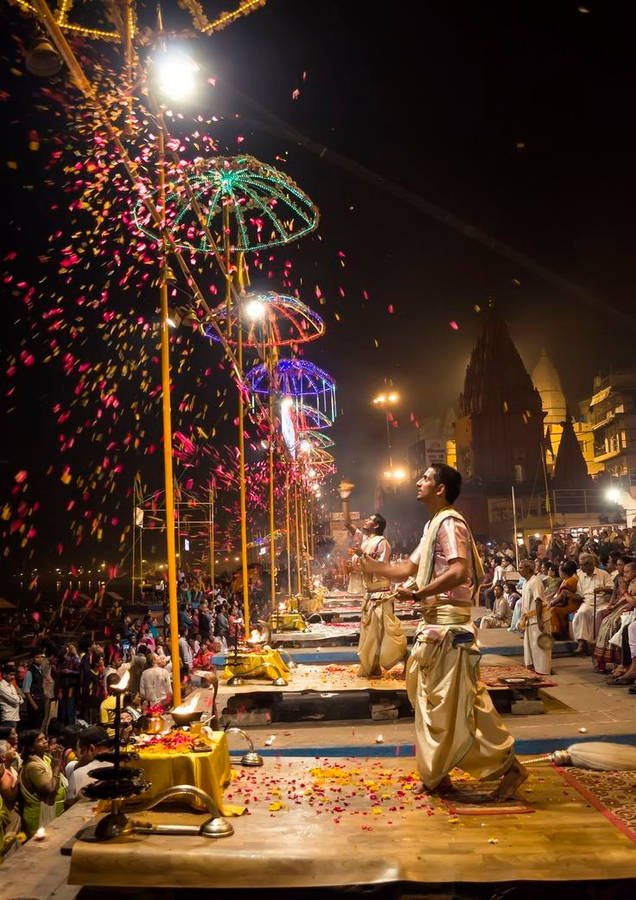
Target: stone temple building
[(499, 428)]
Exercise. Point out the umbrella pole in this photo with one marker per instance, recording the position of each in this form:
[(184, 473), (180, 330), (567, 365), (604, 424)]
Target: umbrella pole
[(272, 522), (288, 534)]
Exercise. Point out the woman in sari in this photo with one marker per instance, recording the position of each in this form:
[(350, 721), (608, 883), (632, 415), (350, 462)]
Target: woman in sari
[(623, 600), (563, 603), (42, 784)]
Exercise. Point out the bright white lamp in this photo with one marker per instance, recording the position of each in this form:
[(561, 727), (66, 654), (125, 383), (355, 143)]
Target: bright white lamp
[(255, 309), (175, 74)]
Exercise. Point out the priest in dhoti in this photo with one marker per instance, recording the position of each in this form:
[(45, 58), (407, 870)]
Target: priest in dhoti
[(456, 723), (382, 642), (535, 621)]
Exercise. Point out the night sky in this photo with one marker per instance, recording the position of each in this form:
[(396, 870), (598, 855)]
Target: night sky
[(514, 118)]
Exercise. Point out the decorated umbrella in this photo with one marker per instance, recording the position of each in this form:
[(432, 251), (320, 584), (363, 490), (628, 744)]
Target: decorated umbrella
[(229, 206), (598, 755), (315, 439), (300, 379), (268, 209), (116, 20), (269, 320)]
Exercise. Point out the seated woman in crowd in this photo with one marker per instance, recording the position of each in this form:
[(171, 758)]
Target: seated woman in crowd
[(42, 784), (563, 603), (609, 619)]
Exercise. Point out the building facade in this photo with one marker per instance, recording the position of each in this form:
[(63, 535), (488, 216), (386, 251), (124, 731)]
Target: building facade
[(613, 421)]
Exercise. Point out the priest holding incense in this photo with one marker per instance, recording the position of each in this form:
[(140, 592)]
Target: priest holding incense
[(382, 643), (456, 723)]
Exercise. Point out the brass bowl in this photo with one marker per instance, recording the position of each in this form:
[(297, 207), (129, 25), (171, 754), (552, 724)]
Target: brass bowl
[(152, 724), (185, 718)]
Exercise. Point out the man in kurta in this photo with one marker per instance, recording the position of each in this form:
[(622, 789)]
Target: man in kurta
[(456, 723), (595, 587), (535, 621), (382, 643)]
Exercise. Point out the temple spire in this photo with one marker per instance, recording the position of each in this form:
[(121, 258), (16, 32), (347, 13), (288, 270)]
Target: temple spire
[(570, 470)]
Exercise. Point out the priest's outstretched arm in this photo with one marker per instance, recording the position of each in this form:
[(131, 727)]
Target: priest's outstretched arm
[(456, 574)]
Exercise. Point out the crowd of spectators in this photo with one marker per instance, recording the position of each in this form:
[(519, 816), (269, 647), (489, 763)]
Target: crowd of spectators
[(56, 709), (588, 590)]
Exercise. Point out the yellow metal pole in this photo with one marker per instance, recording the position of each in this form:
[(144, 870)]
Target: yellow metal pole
[(241, 415), (134, 542), (312, 504), (272, 517), (303, 530), (288, 534), (167, 436), (211, 534), (241, 426), (298, 549)]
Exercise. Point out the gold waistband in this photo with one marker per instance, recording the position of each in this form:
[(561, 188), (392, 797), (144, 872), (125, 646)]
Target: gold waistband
[(447, 615)]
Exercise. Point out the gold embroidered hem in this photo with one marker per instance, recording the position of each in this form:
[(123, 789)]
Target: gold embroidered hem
[(456, 723)]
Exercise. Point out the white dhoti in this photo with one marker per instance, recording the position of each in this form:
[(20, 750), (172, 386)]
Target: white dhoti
[(456, 723), (583, 622), (533, 655), (382, 642)]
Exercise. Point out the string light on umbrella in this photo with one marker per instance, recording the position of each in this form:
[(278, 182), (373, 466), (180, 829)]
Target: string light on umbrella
[(116, 20), (267, 206), (300, 379), (268, 320)]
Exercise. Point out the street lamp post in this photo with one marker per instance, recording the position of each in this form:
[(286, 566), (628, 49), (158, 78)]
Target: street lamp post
[(386, 402)]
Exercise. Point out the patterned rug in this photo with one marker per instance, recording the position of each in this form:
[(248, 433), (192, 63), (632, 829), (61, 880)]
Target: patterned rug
[(492, 675), (612, 793)]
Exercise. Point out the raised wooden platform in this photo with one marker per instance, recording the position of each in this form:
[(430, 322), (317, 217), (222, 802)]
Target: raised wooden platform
[(334, 823)]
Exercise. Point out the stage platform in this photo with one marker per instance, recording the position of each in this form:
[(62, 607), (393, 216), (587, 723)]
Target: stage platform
[(337, 692), (347, 824)]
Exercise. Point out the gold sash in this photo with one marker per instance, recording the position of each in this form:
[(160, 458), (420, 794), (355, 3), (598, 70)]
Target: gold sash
[(447, 614)]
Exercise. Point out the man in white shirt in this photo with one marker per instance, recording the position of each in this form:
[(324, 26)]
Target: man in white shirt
[(155, 685), (10, 701), (594, 588), (90, 742), (535, 617)]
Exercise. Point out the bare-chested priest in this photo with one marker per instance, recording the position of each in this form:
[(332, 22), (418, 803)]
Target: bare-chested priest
[(456, 723), (382, 642)]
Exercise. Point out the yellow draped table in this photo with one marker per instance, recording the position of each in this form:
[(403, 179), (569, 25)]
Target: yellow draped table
[(209, 770), (288, 621), (264, 663)]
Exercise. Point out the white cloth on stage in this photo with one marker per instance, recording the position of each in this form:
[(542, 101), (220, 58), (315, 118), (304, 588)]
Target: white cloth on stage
[(534, 655), (583, 622)]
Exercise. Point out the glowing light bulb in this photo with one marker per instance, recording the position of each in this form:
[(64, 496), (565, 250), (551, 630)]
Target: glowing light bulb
[(255, 309), (175, 73)]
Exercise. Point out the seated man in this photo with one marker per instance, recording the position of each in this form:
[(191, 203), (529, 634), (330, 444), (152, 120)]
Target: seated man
[(594, 589), (501, 615)]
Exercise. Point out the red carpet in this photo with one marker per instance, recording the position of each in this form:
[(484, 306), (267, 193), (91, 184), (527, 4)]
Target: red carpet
[(612, 793)]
